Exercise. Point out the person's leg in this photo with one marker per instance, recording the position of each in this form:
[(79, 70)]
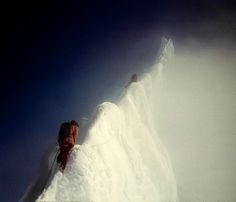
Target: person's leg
[(63, 157)]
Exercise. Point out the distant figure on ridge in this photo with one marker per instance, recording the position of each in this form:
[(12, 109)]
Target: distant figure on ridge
[(67, 136), (133, 79)]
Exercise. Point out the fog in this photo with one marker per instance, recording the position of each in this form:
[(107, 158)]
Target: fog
[(196, 119)]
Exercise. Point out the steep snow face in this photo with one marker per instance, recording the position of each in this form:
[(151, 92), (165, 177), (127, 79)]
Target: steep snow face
[(122, 158)]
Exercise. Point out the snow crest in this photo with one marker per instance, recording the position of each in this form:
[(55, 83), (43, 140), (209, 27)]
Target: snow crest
[(122, 158)]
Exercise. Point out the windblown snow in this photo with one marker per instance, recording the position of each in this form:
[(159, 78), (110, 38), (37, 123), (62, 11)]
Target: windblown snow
[(122, 158)]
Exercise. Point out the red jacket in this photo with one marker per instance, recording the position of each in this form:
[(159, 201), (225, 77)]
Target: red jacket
[(65, 146), (70, 140)]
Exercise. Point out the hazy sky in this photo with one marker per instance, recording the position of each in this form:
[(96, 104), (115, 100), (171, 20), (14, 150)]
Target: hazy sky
[(62, 59), (196, 120)]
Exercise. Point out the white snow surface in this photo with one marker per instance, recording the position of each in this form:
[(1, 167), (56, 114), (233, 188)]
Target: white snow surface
[(122, 158)]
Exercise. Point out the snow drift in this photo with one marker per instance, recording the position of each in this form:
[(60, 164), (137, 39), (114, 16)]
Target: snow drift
[(122, 157)]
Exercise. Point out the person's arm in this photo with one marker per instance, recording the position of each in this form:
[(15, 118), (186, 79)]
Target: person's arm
[(71, 139)]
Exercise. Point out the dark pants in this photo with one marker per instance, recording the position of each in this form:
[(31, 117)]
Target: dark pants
[(63, 156)]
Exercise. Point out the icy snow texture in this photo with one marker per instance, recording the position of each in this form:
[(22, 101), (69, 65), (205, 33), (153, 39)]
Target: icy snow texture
[(122, 158)]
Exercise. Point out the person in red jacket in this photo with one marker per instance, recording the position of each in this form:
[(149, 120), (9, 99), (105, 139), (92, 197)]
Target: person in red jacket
[(67, 137)]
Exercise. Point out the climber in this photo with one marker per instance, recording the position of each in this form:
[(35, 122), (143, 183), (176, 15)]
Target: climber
[(133, 79), (66, 138)]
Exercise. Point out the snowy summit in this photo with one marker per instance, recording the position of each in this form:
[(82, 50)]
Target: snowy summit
[(122, 158)]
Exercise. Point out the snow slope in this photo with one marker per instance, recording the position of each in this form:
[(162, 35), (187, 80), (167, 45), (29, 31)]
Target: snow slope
[(122, 157)]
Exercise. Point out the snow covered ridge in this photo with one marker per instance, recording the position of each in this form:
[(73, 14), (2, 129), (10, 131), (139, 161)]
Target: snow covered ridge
[(122, 158)]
